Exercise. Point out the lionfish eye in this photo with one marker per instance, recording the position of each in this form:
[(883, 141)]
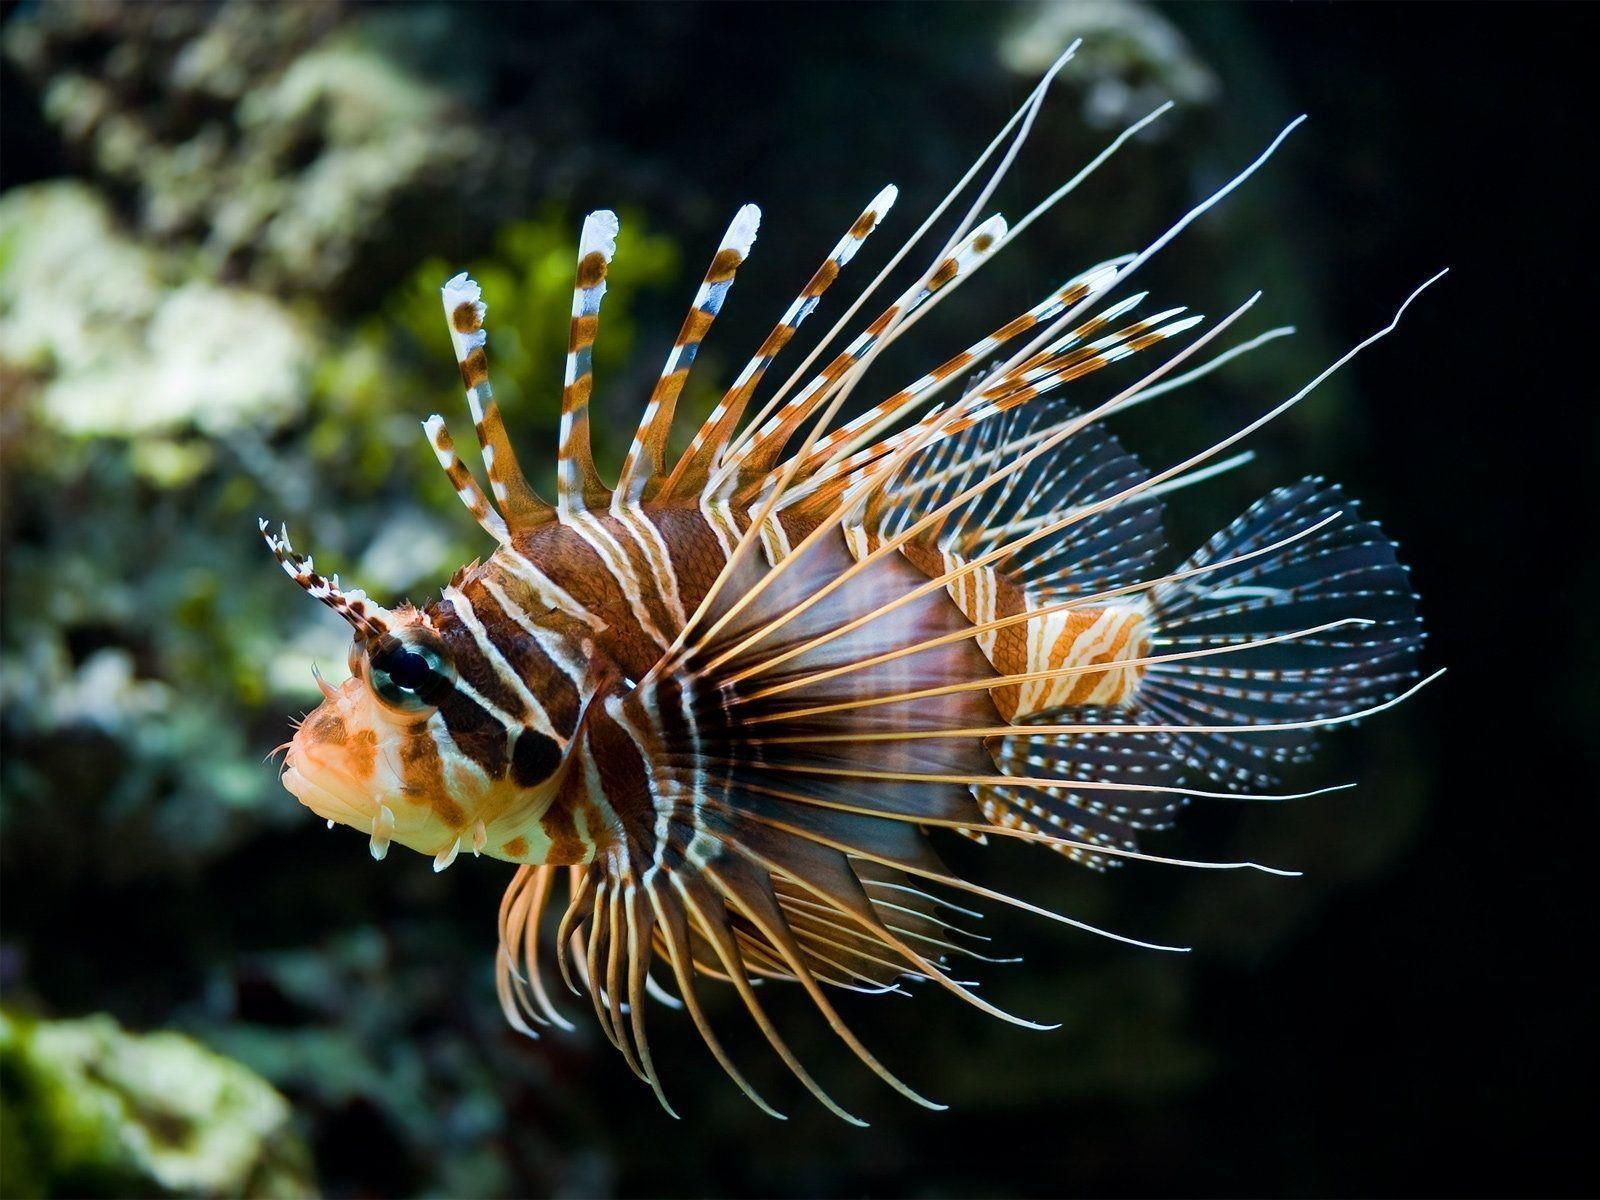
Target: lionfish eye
[(409, 672)]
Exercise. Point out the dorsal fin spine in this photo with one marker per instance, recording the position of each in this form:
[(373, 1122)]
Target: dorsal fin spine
[(646, 459), (708, 443), (577, 481), (464, 311)]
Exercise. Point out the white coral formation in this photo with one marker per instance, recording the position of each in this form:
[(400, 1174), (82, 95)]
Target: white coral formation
[(86, 313), (1132, 58), (158, 1109)]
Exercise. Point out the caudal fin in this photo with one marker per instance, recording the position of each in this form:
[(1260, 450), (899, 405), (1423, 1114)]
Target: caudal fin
[(1339, 567)]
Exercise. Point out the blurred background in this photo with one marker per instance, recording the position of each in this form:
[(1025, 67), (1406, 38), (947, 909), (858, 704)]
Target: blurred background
[(222, 228)]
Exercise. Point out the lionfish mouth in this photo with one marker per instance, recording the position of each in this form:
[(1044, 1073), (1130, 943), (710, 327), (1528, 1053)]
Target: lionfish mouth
[(330, 796)]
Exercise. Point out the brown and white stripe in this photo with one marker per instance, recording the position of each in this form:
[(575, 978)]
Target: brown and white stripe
[(709, 440), (646, 460), (461, 479), (576, 478), (766, 447), (370, 620), (464, 310), (866, 425)]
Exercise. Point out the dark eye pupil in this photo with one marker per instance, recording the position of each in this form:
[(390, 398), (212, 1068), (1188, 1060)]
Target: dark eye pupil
[(406, 677), (409, 670)]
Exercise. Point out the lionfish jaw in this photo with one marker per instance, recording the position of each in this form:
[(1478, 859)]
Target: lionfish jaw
[(348, 806)]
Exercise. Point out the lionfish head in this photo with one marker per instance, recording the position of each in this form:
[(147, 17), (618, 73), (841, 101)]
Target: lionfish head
[(378, 754)]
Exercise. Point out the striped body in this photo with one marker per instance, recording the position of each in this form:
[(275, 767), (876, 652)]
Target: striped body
[(1095, 635), (527, 627)]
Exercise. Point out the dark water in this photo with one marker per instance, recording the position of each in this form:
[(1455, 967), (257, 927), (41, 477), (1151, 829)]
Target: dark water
[(1414, 1017)]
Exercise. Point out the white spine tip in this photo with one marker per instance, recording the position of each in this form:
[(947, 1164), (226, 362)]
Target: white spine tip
[(599, 233), (994, 228), (980, 243), (884, 201), (480, 838), (460, 289), (741, 234)]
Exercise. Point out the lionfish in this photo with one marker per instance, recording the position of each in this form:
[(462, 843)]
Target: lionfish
[(728, 699)]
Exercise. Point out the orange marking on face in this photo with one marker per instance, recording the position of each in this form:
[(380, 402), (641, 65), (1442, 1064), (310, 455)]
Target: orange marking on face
[(325, 727), (362, 754), (422, 768), (516, 847)]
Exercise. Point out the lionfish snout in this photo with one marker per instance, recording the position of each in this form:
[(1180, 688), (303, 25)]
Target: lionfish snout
[(350, 762), (332, 764)]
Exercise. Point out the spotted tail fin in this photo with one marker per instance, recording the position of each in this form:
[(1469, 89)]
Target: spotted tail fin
[(1339, 567)]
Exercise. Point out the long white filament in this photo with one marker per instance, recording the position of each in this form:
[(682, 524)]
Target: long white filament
[(1030, 104)]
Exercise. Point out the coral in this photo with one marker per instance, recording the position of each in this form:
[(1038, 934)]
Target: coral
[(124, 347), (87, 1108), (273, 139), (1132, 58)]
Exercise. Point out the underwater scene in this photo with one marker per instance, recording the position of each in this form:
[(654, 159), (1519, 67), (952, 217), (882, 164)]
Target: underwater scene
[(225, 232)]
